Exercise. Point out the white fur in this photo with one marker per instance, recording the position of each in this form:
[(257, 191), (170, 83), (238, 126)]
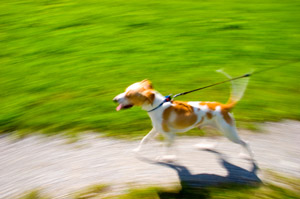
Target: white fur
[(217, 121), (156, 116)]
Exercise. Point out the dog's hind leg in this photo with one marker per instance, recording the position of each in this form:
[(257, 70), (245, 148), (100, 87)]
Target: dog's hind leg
[(206, 143), (230, 131), (145, 139)]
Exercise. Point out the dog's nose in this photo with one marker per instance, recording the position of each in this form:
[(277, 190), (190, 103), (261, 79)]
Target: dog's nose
[(115, 99)]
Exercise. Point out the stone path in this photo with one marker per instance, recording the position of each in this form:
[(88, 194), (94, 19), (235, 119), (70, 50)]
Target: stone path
[(59, 168)]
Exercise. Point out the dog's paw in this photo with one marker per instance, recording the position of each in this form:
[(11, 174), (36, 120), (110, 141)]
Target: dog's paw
[(205, 145), (167, 158), (244, 156), (136, 150)]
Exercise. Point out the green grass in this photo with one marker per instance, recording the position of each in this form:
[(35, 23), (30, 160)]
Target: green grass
[(62, 61), (34, 194), (94, 191), (288, 189), (225, 192)]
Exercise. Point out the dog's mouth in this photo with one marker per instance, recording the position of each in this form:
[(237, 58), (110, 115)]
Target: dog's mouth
[(121, 106)]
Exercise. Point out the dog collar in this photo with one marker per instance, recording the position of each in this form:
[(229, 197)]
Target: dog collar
[(167, 99)]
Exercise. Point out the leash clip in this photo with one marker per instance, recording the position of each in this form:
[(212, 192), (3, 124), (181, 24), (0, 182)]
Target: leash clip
[(168, 98)]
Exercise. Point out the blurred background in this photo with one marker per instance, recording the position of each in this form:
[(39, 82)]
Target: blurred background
[(63, 61)]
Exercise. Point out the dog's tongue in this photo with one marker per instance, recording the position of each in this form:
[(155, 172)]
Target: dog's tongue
[(119, 107)]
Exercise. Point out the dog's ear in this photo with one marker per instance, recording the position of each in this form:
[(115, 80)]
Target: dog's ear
[(147, 84), (149, 96)]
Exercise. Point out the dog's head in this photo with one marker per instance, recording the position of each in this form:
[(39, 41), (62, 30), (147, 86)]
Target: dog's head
[(137, 94)]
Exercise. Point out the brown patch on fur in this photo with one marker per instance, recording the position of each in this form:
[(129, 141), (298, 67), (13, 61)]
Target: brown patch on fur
[(136, 98), (225, 108), (167, 112), (200, 121), (213, 105), (165, 126), (144, 93), (227, 117), (149, 96), (209, 115), (184, 116), (166, 116)]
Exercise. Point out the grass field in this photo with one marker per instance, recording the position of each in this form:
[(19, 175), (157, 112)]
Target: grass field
[(268, 191), (62, 61), (289, 189)]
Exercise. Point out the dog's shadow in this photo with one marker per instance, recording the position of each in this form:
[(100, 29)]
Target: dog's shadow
[(236, 176)]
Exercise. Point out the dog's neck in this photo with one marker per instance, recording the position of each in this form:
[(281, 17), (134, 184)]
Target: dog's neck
[(158, 99)]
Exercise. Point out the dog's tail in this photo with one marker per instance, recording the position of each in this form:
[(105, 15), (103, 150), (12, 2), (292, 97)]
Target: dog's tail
[(238, 88)]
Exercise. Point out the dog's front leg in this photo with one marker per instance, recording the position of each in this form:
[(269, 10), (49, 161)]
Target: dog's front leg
[(169, 155), (150, 135)]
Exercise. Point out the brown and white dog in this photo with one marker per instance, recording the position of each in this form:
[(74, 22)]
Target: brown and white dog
[(171, 117)]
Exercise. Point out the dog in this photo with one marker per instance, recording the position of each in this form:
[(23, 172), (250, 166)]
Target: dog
[(170, 117)]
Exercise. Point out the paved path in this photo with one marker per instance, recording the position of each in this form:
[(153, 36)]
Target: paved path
[(59, 168)]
